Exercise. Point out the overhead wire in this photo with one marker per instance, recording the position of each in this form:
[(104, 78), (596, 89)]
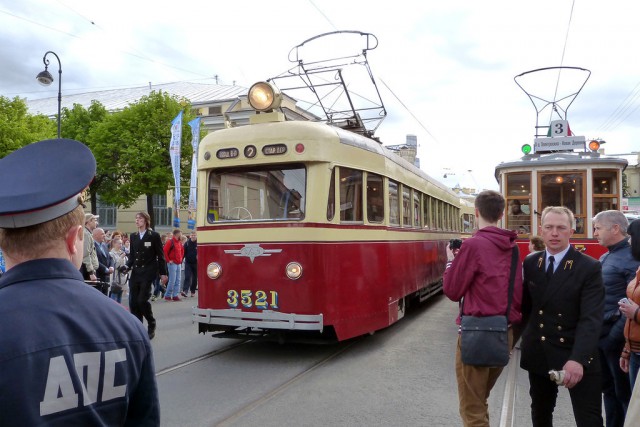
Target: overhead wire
[(564, 49)]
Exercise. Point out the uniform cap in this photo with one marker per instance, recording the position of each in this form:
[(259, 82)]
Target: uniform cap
[(43, 181)]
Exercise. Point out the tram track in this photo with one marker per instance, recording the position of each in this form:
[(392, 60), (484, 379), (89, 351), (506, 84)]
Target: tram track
[(229, 420), (203, 357)]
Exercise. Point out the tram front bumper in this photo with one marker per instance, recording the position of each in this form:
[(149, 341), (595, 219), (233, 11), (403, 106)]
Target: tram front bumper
[(266, 319)]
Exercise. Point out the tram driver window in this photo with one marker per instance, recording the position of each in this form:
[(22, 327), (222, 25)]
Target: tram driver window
[(605, 190)]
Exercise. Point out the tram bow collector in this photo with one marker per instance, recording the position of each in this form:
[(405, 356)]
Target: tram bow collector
[(308, 230), (561, 170)]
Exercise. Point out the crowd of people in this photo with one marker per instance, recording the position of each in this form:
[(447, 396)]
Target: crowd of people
[(578, 318), (105, 253)]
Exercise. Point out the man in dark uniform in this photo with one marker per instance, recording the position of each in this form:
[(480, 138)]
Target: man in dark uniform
[(70, 356), (563, 305), (146, 258)]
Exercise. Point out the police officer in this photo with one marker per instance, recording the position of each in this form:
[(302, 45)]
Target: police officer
[(69, 355)]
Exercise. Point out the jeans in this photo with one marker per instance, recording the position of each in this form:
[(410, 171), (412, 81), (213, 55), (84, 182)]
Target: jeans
[(116, 296), (158, 289), (173, 286), (616, 390), (634, 367), (190, 277)]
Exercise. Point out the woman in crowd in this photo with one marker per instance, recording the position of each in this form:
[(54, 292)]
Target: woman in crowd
[(119, 259)]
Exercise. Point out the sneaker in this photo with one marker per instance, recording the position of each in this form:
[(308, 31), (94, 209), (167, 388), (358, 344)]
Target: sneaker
[(167, 298), (184, 295), (176, 298), (193, 294)]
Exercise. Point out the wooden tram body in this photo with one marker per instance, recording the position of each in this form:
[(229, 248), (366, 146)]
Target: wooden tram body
[(308, 229)]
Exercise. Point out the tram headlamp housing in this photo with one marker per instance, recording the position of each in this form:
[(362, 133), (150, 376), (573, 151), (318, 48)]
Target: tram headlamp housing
[(294, 270), (264, 97), (214, 270), (526, 149), (594, 145)]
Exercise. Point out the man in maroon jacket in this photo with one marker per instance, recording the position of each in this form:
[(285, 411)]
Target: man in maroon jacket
[(479, 273)]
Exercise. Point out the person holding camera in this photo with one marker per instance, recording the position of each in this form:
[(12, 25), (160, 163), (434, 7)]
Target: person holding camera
[(479, 272)]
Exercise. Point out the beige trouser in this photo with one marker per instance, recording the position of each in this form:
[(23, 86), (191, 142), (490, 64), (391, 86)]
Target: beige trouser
[(474, 385)]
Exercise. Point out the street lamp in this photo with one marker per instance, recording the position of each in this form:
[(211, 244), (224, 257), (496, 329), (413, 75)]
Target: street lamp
[(45, 79)]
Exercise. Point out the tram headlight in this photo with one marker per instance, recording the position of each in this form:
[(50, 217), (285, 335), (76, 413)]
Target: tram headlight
[(526, 149), (214, 270), (594, 145), (294, 270), (264, 97)]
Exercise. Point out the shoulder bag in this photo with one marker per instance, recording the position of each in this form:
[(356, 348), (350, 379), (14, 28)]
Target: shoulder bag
[(484, 341)]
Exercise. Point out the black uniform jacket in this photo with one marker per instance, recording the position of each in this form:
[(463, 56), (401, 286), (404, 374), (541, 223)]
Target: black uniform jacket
[(104, 261), (562, 316), (146, 257)]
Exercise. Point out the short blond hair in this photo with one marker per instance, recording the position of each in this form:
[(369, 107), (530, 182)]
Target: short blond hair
[(31, 242), (561, 210)]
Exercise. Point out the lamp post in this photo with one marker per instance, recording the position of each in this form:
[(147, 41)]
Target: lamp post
[(45, 79)]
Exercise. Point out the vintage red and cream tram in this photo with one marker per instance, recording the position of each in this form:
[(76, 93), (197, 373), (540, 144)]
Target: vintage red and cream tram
[(309, 229), (561, 169)]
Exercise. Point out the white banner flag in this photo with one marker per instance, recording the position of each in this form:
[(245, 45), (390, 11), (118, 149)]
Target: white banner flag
[(174, 154), (195, 141)]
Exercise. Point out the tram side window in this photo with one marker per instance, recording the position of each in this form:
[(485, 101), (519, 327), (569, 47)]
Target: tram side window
[(350, 194), (375, 198), (406, 206), (416, 209), (331, 199), (426, 209), (605, 191), (565, 189), (519, 202), (394, 202)]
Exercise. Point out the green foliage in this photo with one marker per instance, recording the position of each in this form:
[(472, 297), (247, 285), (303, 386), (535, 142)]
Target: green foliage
[(135, 144), (131, 146), (19, 128)]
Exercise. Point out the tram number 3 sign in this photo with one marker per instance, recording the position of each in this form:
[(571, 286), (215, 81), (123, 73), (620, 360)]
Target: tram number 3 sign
[(263, 300)]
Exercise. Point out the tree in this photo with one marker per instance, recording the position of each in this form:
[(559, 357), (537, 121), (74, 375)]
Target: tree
[(78, 123), (137, 141), (19, 128)]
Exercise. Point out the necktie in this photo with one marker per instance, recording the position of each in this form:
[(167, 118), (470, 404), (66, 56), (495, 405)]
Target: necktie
[(550, 268)]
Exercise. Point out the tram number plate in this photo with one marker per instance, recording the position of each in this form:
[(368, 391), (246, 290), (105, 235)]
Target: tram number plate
[(262, 300)]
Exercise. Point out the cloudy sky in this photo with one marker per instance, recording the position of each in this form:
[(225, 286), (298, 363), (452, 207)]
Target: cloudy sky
[(444, 69)]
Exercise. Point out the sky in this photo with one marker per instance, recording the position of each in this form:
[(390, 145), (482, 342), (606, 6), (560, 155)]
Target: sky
[(445, 70)]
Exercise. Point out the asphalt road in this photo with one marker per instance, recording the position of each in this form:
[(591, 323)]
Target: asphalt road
[(400, 376)]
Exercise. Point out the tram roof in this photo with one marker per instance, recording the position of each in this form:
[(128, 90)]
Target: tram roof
[(571, 159)]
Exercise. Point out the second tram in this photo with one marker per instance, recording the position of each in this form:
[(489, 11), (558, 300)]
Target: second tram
[(560, 170)]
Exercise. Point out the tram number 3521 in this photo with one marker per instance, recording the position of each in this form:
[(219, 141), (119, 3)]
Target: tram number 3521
[(263, 300)]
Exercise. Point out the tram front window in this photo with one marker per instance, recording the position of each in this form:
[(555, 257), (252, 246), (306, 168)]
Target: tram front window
[(257, 194), (565, 189)]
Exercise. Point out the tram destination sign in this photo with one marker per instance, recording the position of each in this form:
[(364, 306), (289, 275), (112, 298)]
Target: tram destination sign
[(559, 143)]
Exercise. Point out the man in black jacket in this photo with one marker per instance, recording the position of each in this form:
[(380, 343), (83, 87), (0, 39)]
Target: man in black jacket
[(563, 305), (104, 260), (190, 265), (146, 259)]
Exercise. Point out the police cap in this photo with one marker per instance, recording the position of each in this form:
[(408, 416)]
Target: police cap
[(43, 181)]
